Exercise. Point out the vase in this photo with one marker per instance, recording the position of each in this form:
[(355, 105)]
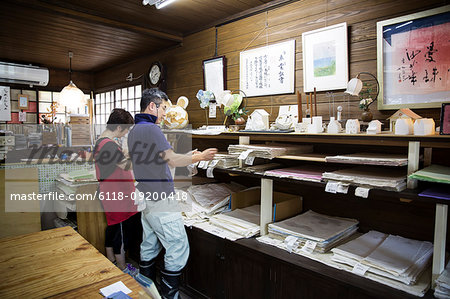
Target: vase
[(239, 121), (366, 115)]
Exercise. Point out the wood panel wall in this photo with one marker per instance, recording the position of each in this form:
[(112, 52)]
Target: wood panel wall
[(184, 63)]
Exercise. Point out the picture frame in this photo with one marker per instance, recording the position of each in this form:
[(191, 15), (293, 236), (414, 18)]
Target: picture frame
[(268, 70), (412, 60), (214, 74), (23, 101), (325, 58), (445, 119)]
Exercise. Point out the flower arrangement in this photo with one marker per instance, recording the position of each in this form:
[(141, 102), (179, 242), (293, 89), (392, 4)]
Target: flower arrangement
[(365, 98), (365, 103)]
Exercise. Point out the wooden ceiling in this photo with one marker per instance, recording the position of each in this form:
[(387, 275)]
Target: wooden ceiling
[(102, 34)]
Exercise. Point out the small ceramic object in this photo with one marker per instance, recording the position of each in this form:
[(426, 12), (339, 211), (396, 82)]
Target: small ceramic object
[(334, 127), (404, 126), (176, 115), (283, 122), (424, 126), (316, 125), (374, 127), (352, 126)]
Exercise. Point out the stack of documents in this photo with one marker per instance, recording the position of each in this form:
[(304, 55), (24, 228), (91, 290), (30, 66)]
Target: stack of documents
[(442, 289), (433, 173), (225, 161), (312, 173), (371, 177), (267, 151), (393, 257), (208, 199), (322, 232), (261, 168), (370, 159), (239, 223)]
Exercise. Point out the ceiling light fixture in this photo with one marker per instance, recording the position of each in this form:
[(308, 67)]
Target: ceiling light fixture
[(71, 96), (158, 3)]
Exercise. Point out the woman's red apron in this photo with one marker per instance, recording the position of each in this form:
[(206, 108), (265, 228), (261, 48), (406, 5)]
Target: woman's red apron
[(120, 184)]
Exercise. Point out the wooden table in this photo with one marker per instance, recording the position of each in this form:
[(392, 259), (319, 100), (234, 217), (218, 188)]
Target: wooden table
[(56, 263)]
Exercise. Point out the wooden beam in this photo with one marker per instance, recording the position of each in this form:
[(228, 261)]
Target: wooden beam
[(244, 14), (80, 15)]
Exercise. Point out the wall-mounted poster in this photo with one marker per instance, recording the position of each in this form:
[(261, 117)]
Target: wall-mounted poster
[(268, 70), (5, 103), (413, 60), (325, 59)]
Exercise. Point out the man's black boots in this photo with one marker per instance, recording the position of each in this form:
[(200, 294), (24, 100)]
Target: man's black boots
[(148, 268), (170, 284)]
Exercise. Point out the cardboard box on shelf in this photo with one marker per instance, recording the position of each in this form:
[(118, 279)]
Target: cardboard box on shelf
[(284, 205)]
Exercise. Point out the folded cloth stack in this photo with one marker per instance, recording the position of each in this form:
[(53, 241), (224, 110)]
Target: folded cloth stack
[(267, 151), (372, 177), (386, 255), (207, 199), (324, 231), (244, 223), (442, 290)]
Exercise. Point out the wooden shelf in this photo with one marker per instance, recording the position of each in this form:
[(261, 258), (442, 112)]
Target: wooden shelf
[(384, 139)]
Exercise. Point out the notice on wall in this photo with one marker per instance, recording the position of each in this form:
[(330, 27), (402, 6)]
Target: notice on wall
[(268, 70), (5, 103)]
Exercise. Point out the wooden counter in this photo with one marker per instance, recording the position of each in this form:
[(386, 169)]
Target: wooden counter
[(56, 263)]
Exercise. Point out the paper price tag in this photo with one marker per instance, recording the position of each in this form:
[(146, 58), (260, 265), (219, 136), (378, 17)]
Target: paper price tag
[(309, 246), (362, 192), (331, 187), (201, 164), (250, 160), (360, 269), (209, 172), (342, 188), (213, 163), (244, 154), (212, 110)]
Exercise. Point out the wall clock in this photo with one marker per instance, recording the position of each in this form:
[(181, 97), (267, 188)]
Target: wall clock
[(156, 74)]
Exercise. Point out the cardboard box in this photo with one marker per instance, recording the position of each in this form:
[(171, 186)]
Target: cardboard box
[(284, 205)]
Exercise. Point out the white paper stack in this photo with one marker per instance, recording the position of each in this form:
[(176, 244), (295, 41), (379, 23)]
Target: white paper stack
[(323, 231), (371, 177), (311, 173), (442, 289), (208, 199), (393, 257), (370, 159), (225, 161), (267, 151), (244, 223)]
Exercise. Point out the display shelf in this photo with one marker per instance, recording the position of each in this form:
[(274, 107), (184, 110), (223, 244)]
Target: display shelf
[(408, 143)]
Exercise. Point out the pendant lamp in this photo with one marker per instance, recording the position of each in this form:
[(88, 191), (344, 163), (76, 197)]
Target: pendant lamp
[(71, 96)]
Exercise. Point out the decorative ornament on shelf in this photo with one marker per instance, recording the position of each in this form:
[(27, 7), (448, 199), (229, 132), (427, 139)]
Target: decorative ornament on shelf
[(232, 106), (205, 97), (356, 87), (176, 115)]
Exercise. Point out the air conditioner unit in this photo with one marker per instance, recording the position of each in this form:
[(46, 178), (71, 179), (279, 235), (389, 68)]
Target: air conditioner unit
[(23, 74)]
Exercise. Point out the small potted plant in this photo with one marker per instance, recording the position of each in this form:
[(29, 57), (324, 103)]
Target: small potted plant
[(237, 116), (364, 103)]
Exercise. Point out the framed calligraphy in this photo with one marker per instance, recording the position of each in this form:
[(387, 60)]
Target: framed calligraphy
[(214, 74), (325, 58), (268, 70), (413, 61), (5, 104), (445, 119)]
